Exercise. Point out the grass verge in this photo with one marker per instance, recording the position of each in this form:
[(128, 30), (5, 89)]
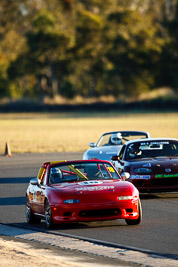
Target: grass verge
[(60, 132)]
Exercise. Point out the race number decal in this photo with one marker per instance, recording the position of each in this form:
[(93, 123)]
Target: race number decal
[(91, 182), (110, 169)]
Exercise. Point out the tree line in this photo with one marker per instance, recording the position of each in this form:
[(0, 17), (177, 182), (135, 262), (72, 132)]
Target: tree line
[(87, 47)]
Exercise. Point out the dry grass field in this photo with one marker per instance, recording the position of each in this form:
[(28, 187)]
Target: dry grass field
[(57, 132)]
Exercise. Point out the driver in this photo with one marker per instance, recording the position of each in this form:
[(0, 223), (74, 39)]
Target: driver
[(116, 139), (134, 150), (55, 175)]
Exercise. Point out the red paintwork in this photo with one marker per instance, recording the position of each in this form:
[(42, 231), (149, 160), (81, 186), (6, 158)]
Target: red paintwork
[(97, 202)]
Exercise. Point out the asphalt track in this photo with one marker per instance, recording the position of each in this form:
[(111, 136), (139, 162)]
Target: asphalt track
[(158, 231)]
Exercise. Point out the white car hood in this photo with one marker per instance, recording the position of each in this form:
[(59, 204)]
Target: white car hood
[(102, 152)]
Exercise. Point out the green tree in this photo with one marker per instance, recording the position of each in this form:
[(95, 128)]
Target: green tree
[(135, 49), (86, 47), (11, 38), (168, 65), (46, 50)]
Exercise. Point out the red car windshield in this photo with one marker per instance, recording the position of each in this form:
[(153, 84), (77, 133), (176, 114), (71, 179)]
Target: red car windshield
[(82, 172)]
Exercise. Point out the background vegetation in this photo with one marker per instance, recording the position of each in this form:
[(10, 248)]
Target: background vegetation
[(87, 48), (72, 132)]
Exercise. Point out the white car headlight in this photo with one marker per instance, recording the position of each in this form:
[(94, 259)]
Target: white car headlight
[(124, 197)]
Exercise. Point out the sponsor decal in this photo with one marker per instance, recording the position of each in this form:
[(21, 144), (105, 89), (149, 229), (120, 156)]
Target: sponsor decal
[(166, 175), (140, 177), (95, 188), (168, 170), (155, 143), (147, 165), (35, 196)]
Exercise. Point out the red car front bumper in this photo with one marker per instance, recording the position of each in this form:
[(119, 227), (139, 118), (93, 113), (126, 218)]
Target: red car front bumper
[(66, 213)]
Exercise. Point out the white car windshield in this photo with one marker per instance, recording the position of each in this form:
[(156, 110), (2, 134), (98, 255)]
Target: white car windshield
[(106, 139)]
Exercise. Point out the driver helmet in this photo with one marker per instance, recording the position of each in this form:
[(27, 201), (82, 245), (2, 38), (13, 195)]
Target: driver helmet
[(116, 138), (134, 150), (55, 175)]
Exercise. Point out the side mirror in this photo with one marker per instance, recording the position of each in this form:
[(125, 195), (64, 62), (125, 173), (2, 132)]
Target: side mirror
[(125, 175), (92, 144), (115, 158), (34, 181)]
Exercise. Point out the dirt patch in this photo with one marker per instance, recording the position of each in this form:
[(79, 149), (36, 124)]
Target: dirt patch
[(14, 252)]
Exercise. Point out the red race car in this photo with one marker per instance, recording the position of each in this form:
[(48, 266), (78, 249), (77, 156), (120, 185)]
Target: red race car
[(81, 191)]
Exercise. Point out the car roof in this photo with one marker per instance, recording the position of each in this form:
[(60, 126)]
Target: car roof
[(61, 162), (150, 139)]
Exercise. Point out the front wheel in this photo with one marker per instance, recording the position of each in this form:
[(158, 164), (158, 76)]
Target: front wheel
[(48, 215), (30, 217), (139, 219)]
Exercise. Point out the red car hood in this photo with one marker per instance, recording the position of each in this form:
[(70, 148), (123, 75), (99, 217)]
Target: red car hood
[(102, 187)]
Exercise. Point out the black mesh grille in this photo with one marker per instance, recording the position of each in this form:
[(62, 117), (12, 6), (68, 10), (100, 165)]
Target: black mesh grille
[(100, 213)]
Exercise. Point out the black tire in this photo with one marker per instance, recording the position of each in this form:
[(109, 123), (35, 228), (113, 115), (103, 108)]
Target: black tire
[(139, 219), (30, 217), (48, 216)]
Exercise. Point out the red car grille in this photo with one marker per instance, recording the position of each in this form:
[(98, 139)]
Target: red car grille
[(100, 213)]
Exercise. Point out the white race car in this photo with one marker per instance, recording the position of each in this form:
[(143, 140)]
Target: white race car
[(110, 144)]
